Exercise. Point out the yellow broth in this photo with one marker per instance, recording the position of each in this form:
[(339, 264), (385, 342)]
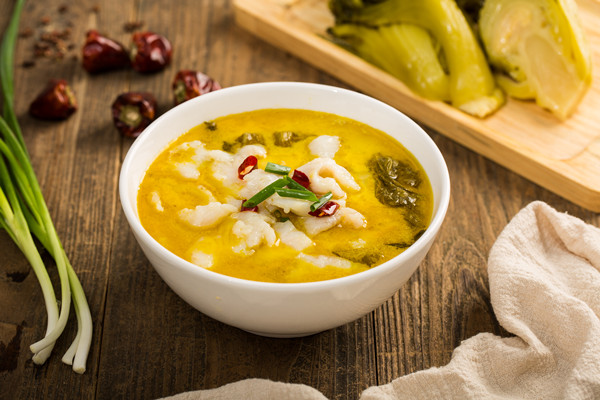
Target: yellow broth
[(387, 230)]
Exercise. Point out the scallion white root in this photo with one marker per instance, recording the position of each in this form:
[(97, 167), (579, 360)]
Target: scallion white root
[(24, 214)]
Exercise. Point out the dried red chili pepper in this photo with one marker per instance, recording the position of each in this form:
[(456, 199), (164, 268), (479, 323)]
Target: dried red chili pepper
[(100, 54), (326, 210), (150, 52), (55, 102), (242, 208), (132, 112), (188, 84), (247, 166), (301, 178)]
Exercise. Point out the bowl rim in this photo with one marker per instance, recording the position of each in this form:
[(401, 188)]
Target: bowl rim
[(180, 263)]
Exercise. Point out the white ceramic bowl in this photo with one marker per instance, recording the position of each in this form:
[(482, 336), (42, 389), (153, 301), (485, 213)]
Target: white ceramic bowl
[(283, 309)]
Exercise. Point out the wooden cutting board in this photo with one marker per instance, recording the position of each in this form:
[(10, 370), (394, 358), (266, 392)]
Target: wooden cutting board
[(563, 157)]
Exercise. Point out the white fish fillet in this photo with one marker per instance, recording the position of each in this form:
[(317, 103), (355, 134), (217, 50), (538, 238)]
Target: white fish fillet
[(327, 176), (289, 235), (155, 199), (324, 261), (208, 215), (202, 259), (345, 216), (325, 146), (253, 230)]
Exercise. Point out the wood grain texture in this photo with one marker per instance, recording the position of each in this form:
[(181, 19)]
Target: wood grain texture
[(148, 343), (561, 156)]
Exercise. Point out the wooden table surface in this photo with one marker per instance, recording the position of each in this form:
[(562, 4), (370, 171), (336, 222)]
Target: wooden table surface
[(147, 342)]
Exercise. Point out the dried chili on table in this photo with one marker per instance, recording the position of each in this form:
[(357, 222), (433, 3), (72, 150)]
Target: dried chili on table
[(151, 52), (132, 112), (188, 84), (55, 102), (100, 53)]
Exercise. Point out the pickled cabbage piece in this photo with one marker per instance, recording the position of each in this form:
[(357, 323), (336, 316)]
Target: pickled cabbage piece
[(415, 58), (470, 9), (396, 185), (404, 245), (472, 87), (394, 181), (540, 51), (243, 140), (368, 257), (210, 125), (286, 138)]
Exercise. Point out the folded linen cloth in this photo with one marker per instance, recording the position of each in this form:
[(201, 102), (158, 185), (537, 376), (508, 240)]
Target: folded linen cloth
[(544, 276), (254, 389)]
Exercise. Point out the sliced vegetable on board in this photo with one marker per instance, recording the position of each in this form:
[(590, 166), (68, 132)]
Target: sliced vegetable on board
[(415, 58), (470, 84), (539, 51), (471, 53)]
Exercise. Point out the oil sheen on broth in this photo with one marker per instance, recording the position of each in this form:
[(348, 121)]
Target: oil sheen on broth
[(190, 198)]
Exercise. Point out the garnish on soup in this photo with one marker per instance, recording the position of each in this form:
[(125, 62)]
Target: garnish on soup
[(283, 195)]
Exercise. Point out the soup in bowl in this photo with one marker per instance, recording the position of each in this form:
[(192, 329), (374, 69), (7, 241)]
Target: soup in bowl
[(284, 209)]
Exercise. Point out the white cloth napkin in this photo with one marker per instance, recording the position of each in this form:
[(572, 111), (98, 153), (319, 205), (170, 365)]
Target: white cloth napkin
[(544, 275)]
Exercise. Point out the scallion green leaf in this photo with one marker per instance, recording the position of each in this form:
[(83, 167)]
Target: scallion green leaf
[(265, 193), (297, 194), (321, 202), (279, 216), (23, 212), (277, 169), (292, 184)]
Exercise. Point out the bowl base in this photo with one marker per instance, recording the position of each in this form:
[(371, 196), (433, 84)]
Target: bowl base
[(282, 335)]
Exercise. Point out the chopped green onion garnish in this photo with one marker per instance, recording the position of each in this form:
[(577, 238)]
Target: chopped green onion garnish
[(280, 217), (321, 202), (277, 169), (297, 194), (292, 184), (265, 193)]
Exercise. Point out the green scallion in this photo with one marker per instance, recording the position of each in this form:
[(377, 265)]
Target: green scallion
[(265, 193), (279, 216), (297, 194), (292, 184), (277, 169), (23, 214), (321, 202)]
